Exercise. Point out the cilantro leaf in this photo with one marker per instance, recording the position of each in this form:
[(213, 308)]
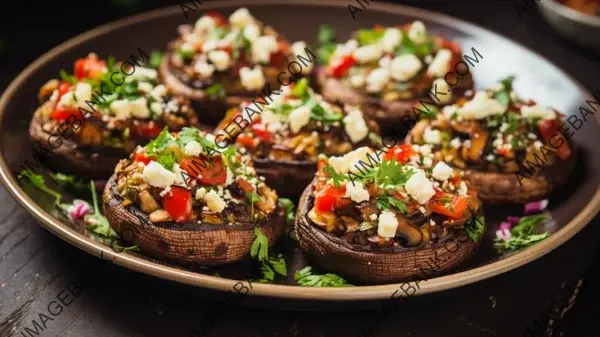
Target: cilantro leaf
[(288, 207), (301, 90), (306, 278), (320, 114), (156, 58), (159, 143), (389, 172), (337, 177), (410, 47), (475, 227), (389, 202), (326, 34), (269, 265), (260, 247), (166, 159), (503, 96), (327, 46)]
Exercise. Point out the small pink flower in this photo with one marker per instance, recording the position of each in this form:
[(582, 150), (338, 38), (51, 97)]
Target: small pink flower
[(79, 209), (503, 234), (505, 226)]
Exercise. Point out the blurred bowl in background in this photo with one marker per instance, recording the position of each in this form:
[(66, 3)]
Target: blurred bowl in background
[(578, 26)]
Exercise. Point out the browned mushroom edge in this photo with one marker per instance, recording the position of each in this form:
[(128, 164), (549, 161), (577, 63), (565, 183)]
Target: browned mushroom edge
[(383, 264), (187, 243), (386, 113)]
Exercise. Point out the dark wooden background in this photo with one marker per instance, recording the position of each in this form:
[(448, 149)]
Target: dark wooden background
[(39, 271)]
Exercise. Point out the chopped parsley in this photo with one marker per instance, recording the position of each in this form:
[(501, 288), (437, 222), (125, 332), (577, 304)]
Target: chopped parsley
[(166, 159), (69, 180), (369, 36), (409, 47), (288, 207), (252, 199), (38, 181), (301, 89), (337, 177), (96, 222), (305, 278), (327, 43), (321, 114), (389, 202), (67, 77), (475, 227), (389, 172), (503, 96), (155, 60)]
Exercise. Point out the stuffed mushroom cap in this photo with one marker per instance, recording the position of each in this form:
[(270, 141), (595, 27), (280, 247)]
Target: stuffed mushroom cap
[(98, 115), (297, 126), (186, 201), (510, 149), (388, 70), (376, 215), (219, 62)]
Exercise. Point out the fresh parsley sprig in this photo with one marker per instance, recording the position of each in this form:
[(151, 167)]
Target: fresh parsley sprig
[(269, 265), (389, 202), (327, 43), (475, 227), (305, 278), (503, 96), (336, 177), (38, 181), (96, 222), (69, 180)]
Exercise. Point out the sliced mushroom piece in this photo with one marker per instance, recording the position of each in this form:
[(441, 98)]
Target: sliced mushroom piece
[(411, 234), (147, 202)]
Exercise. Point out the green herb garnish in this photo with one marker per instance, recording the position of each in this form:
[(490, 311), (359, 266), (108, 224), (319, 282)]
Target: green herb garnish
[(389, 202), (337, 177), (166, 159), (216, 90), (38, 181), (306, 278), (522, 234), (288, 207), (301, 89), (320, 114), (155, 60), (476, 227), (327, 46), (69, 180), (97, 223), (369, 36), (270, 265), (503, 96), (67, 77)]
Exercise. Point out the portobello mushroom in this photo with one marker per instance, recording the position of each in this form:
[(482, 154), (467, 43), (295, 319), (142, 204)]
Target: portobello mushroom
[(89, 123), (218, 63), (390, 71), (286, 139), (183, 201), (417, 217), (510, 149)]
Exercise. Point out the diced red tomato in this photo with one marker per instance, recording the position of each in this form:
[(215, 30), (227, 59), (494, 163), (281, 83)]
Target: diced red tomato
[(63, 89), (260, 130), (246, 141), (453, 206), (504, 152), (147, 129), (89, 67), (178, 203), (549, 130), (329, 198), (210, 171), (219, 18), (245, 185), (401, 153), (141, 157), (342, 65), (62, 113)]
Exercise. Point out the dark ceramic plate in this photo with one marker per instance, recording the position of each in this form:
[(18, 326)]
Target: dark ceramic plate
[(572, 206)]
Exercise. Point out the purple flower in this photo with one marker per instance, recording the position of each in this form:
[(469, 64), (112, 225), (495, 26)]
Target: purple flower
[(503, 234), (79, 209)]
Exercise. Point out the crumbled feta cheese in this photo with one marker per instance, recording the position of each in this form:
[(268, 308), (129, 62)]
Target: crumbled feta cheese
[(192, 148), (404, 67), (481, 106), (139, 108), (387, 225), (419, 187), (252, 79), (210, 45), (539, 111), (503, 127), (368, 53), (142, 74), (83, 92), (373, 216), (145, 87), (432, 136), (490, 157), (158, 176), (345, 163), (345, 49), (159, 92), (391, 39), (121, 109), (440, 64), (214, 202), (262, 49), (441, 86), (298, 48), (537, 144), (356, 192), (441, 171), (355, 125), (428, 59), (187, 47), (252, 32), (172, 106), (532, 136), (204, 69), (165, 191), (377, 79), (220, 59), (204, 24), (241, 18), (417, 32), (427, 162), (200, 193), (462, 189), (299, 117), (230, 177), (181, 179), (455, 143), (357, 80)]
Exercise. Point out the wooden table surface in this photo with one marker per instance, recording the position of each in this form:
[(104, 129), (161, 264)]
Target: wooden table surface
[(54, 289)]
